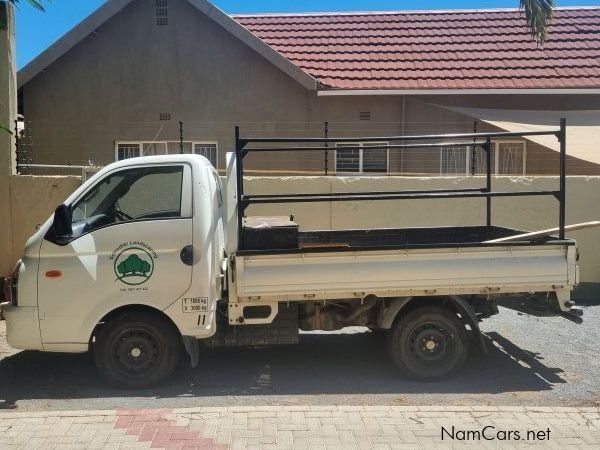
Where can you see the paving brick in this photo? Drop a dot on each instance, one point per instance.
(314, 413)
(301, 444)
(262, 440)
(291, 426)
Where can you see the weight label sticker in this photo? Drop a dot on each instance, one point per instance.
(195, 304)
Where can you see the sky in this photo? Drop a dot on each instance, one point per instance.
(37, 30)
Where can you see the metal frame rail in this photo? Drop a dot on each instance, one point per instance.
(479, 139)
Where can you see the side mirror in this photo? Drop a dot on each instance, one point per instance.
(62, 222)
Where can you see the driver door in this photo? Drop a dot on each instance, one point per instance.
(129, 231)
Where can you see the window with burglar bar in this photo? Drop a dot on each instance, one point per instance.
(454, 160)
(511, 157)
(208, 150)
(125, 150)
(508, 158)
(361, 157)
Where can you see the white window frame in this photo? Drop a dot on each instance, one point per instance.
(117, 143)
(467, 159)
(495, 162)
(166, 146)
(215, 143)
(361, 146)
(497, 155)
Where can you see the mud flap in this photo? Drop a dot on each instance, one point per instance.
(467, 312)
(192, 347)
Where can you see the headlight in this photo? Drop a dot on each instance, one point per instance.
(11, 283)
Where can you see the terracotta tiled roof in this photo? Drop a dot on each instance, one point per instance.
(436, 49)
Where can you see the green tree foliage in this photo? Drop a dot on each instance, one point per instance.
(35, 3)
(538, 14)
(133, 266)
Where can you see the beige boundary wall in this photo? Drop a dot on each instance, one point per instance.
(33, 198)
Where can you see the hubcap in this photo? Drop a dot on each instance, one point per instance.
(136, 351)
(430, 344)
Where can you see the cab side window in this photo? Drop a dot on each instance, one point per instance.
(135, 194)
(153, 195)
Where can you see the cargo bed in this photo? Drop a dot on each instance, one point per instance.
(401, 269)
(272, 261)
(279, 236)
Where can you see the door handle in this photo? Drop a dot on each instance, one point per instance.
(187, 255)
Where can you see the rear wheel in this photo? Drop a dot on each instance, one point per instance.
(137, 350)
(428, 343)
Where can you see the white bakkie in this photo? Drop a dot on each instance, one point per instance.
(143, 261)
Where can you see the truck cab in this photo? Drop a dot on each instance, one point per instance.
(143, 236)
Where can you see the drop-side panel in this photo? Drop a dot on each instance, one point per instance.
(459, 270)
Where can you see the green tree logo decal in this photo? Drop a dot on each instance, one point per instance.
(134, 266)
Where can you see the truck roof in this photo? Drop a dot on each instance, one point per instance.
(158, 159)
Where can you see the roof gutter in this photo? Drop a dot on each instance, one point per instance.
(358, 92)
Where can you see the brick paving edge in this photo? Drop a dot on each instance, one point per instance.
(339, 408)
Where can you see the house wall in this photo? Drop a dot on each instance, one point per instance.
(113, 85)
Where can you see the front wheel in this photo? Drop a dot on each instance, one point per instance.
(428, 343)
(137, 350)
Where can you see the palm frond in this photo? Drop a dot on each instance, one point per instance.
(538, 14)
(37, 4)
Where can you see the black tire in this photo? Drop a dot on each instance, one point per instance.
(429, 343)
(137, 350)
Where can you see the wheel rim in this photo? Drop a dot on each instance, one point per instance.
(430, 345)
(136, 351)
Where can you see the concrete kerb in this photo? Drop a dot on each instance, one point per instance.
(341, 408)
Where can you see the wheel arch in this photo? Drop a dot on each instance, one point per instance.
(132, 308)
(402, 305)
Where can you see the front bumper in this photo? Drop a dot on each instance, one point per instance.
(22, 327)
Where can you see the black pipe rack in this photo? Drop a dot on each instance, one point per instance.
(483, 140)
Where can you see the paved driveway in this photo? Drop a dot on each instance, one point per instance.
(532, 361)
(305, 428)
